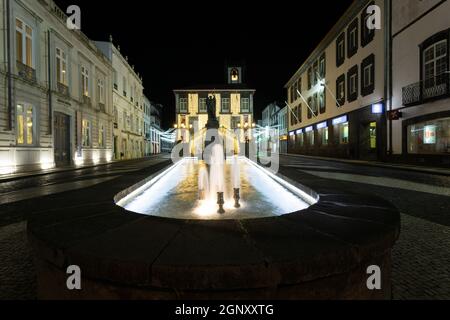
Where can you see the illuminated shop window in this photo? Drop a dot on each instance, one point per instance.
(373, 135)
(343, 133)
(25, 124)
(430, 137)
(86, 133)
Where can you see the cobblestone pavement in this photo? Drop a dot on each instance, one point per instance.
(421, 257)
(17, 275)
(421, 260)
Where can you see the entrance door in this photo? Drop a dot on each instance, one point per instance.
(368, 142)
(62, 138)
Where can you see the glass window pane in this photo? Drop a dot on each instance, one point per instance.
(30, 125)
(29, 57)
(19, 46)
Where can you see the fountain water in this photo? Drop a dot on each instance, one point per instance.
(217, 174)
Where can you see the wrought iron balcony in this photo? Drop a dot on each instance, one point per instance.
(427, 90)
(63, 89)
(26, 72)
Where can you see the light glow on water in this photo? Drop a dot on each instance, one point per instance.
(174, 194)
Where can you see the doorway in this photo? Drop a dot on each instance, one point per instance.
(368, 141)
(62, 139)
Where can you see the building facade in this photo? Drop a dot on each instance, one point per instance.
(283, 129)
(155, 123)
(147, 127)
(128, 108)
(55, 106)
(234, 109)
(152, 127)
(269, 139)
(337, 98)
(420, 119)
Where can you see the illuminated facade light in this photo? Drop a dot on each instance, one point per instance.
(377, 108)
(300, 131)
(322, 125)
(292, 133)
(309, 129)
(340, 120)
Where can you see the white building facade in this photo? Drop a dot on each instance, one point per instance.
(128, 105)
(55, 106)
(337, 98)
(420, 121)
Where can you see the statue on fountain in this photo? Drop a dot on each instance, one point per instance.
(212, 123)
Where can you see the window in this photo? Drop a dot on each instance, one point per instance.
(202, 107)
(368, 75)
(295, 116)
(245, 105)
(315, 104)
(101, 136)
(300, 139)
(322, 101)
(352, 38)
(429, 137)
(116, 115)
(25, 124)
(340, 50)
(235, 121)
(343, 133)
(316, 72)
(294, 89)
(183, 105)
(310, 78)
(310, 102)
(85, 81)
(340, 90)
(24, 44)
(116, 79)
(352, 78)
(86, 133)
(310, 138)
(225, 105)
(234, 75)
(435, 64)
(373, 135)
(322, 66)
(299, 113)
(101, 90)
(124, 86)
(299, 87)
(367, 34)
(61, 67)
(324, 136)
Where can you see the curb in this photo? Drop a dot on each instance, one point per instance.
(68, 169)
(431, 170)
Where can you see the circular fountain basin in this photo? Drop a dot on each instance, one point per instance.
(321, 252)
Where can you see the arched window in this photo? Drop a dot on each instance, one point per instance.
(234, 75)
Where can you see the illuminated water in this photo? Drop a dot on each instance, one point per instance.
(175, 194)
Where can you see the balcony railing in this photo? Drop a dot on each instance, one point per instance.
(63, 89)
(429, 89)
(26, 72)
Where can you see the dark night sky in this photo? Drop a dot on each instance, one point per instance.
(181, 44)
